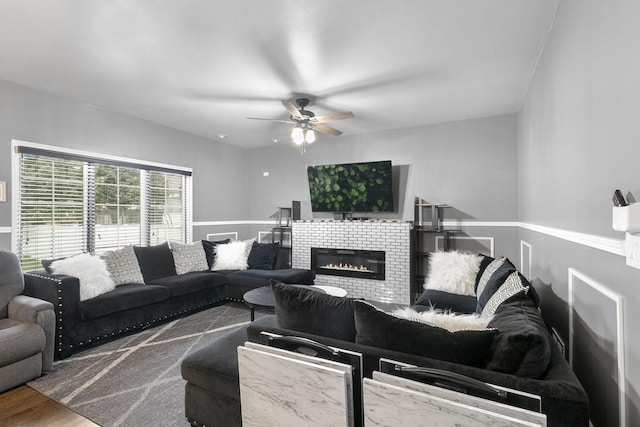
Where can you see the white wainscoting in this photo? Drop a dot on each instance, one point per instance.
(233, 235)
(577, 281)
(525, 259)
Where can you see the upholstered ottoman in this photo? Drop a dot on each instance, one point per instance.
(212, 392)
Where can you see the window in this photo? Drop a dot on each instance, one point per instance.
(118, 207)
(70, 202)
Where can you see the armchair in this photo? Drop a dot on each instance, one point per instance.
(27, 327)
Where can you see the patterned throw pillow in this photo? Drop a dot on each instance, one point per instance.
(123, 267)
(189, 257)
(513, 285)
(492, 279)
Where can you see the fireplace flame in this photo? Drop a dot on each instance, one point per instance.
(345, 266)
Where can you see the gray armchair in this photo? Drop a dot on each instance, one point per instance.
(27, 327)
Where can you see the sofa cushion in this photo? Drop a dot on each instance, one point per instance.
(453, 272)
(492, 279)
(19, 340)
(446, 301)
(210, 249)
(263, 255)
(312, 312)
(214, 367)
(522, 346)
(187, 283)
(155, 261)
(122, 298)
(256, 278)
(189, 257)
(379, 329)
(123, 266)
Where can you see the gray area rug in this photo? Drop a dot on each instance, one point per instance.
(135, 380)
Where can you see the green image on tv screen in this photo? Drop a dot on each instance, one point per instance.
(352, 187)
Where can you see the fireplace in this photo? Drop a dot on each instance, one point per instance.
(348, 262)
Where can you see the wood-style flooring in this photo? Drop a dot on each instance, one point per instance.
(25, 407)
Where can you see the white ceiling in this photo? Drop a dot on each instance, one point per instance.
(203, 66)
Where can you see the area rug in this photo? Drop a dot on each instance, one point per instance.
(135, 380)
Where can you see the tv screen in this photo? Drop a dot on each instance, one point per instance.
(351, 187)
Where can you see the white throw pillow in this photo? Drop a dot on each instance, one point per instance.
(90, 270)
(453, 272)
(233, 255)
(189, 257)
(448, 320)
(123, 266)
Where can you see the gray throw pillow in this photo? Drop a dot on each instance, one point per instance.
(122, 265)
(189, 257)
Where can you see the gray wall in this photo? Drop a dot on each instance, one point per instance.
(578, 142)
(468, 164)
(220, 183)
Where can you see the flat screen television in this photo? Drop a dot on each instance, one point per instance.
(351, 187)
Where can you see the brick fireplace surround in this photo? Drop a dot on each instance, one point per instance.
(392, 237)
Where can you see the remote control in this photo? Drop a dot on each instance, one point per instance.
(618, 199)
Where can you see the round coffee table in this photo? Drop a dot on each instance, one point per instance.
(258, 297)
(262, 297)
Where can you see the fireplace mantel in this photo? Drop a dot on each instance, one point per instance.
(391, 236)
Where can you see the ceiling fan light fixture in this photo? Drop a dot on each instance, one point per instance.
(310, 136)
(297, 135)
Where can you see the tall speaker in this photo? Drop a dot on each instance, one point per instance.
(295, 211)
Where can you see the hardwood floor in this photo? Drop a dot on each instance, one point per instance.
(26, 407)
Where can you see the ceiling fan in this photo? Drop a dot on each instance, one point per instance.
(305, 122)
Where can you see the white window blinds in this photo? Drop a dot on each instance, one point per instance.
(52, 209)
(68, 204)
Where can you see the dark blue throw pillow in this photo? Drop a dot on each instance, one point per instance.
(263, 256)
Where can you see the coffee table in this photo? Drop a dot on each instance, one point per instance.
(262, 297)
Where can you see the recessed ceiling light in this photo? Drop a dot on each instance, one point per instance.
(222, 136)
(275, 140)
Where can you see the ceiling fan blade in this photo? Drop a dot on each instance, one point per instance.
(327, 129)
(333, 117)
(271, 120)
(292, 109)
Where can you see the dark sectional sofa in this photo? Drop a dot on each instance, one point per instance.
(165, 295)
(519, 355)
